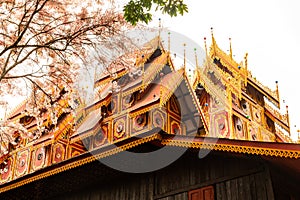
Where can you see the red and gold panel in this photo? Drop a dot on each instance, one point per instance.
(39, 158)
(100, 138)
(173, 105)
(253, 132)
(245, 106)
(139, 123)
(158, 119)
(267, 136)
(219, 126)
(127, 101)
(22, 162)
(76, 149)
(58, 153)
(74, 152)
(215, 104)
(6, 170)
(256, 114)
(175, 128)
(113, 105)
(120, 128)
(239, 128)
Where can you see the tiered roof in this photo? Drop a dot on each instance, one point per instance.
(141, 94)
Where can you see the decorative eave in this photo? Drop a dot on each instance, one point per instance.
(282, 120)
(80, 160)
(106, 77)
(211, 88)
(284, 138)
(237, 146)
(241, 73)
(227, 61)
(155, 67)
(88, 127)
(169, 84)
(267, 92)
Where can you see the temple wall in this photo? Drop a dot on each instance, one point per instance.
(229, 178)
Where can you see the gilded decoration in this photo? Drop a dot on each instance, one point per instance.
(58, 154)
(158, 119)
(148, 104)
(219, 126)
(120, 129)
(100, 138)
(39, 158)
(234, 148)
(22, 162)
(139, 123)
(6, 170)
(81, 162)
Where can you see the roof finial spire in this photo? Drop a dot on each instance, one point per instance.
(159, 28)
(205, 46)
(196, 58)
(287, 116)
(230, 48)
(169, 41)
(246, 61)
(213, 39)
(277, 92)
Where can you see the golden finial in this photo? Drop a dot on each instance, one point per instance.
(196, 58)
(159, 28)
(287, 114)
(169, 41)
(213, 39)
(205, 46)
(246, 61)
(230, 48)
(184, 56)
(277, 92)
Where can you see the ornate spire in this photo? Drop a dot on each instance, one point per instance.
(230, 48)
(213, 40)
(277, 92)
(287, 116)
(159, 29)
(196, 58)
(205, 46)
(246, 61)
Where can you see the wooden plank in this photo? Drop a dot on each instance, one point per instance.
(260, 186)
(181, 196)
(252, 186)
(246, 186)
(209, 182)
(221, 191)
(228, 189)
(241, 188)
(234, 189)
(269, 186)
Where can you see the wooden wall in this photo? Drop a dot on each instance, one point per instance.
(233, 177)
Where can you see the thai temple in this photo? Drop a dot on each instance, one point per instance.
(233, 140)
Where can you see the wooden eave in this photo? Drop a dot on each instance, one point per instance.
(284, 150)
(275, 118)
(262, 91)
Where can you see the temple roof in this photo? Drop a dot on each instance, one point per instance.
(145, 100)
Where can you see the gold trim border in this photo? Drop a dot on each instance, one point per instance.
(82, 162)
(233, 148)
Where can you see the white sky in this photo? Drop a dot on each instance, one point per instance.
(268, 30)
